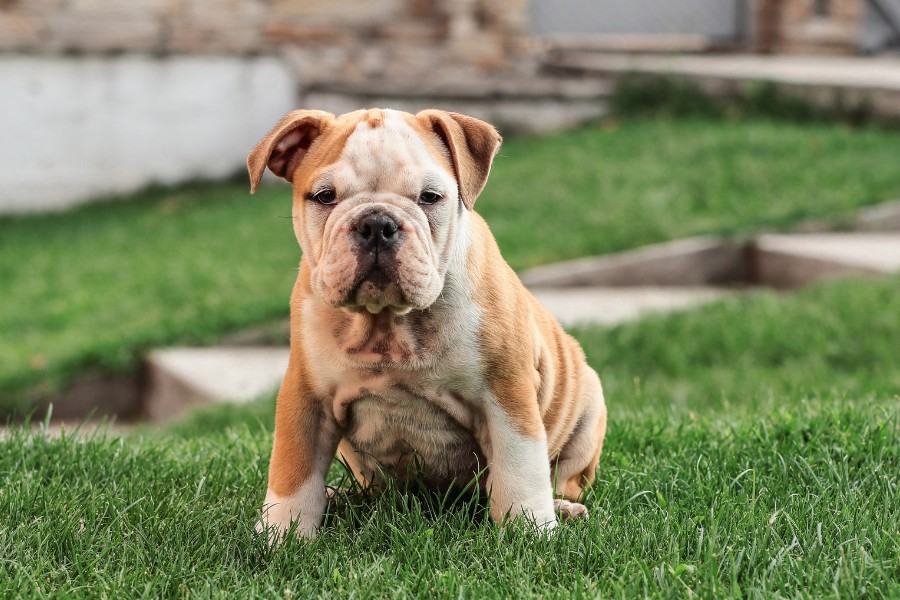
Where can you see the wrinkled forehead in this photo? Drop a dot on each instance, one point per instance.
(391, 146)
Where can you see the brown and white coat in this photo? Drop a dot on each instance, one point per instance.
(427, 345)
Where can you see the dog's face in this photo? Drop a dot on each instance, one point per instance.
(380, 199)
(378, 223)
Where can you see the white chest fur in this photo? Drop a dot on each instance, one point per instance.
(406, 389)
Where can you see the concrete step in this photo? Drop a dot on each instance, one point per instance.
(507, 102)
(605, 290)
(629, 43)
(833, 83)
(183, 378)
(609, 306)
(179, 379)
(697, 261)
(787, 261)
(851, 73)
(781, 261)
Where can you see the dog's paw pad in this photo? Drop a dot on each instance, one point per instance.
(570, 510)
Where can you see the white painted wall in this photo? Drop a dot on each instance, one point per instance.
(72, 129)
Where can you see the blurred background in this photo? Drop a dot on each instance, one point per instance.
(126, 226)
(95, 92)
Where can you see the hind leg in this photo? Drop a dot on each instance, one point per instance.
(574, 470)
(367, 475)
(569, 511)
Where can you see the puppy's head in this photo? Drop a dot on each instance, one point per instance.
(380, 199)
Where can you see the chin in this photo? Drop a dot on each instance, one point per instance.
(377, 292)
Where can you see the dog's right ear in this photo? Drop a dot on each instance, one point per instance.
(284, 147)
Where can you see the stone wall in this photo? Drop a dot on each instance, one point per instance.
(103, 97)
(321, 38)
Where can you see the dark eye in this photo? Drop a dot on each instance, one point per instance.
(327, 196)
(429, 197)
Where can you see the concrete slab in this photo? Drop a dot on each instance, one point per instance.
(832, 83)
(688, 262)
(609, 306)
(603, 290)
(788, 261)
(509, 103)
(181, 378)
(653, 43)
(869, 72)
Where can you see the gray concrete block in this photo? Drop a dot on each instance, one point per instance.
(182, 378)
(788, 261)
(610, 306)
(689, 262)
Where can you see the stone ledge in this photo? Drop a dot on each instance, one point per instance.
(863, 73)
(182, 378)
(610, 306)
(514, 105)
(692, 261)
(654, 43)
(867, 84)
(533, 88)
(780, 261)
(790, 261)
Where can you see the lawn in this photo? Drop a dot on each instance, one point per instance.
(97, 286)
(752, 452)
(753, 443)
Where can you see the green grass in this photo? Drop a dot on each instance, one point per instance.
(97, 286)
(752, 452)
(746, 355)
(627, 184)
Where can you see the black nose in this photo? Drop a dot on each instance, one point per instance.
(378, 230)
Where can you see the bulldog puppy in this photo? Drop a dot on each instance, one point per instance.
(415, 349)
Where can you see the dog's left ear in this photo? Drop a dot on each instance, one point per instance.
(284, 147)
(472, 144)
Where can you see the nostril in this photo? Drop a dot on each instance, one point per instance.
(377, 229)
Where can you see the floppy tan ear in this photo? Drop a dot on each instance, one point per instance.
(472, 144)
(284, 147)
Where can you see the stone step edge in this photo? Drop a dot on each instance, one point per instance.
(711, 260)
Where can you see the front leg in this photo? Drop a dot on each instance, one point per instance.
(515, 446)
(306, 437)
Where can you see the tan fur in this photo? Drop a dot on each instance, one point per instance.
(533, 366)
(472, 148)
(451, 365)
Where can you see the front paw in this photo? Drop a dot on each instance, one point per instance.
(542, 520)
(301, 512)
(274, 531)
